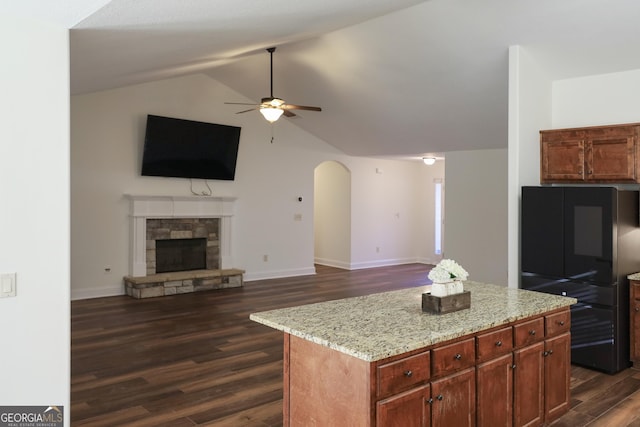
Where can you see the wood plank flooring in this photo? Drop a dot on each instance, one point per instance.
(197, 359)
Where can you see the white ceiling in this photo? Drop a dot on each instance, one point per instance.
(394, 77)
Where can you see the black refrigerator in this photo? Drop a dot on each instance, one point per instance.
(582, 242)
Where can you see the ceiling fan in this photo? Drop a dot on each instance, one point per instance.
(272, 108)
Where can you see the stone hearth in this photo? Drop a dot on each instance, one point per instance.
(182, 282)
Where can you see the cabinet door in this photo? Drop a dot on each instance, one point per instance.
(408, 409)
(495, 392)
(528, 387)
(454, 400)
(634, 305)
(557, 366)
(611, 159)
(562, 160)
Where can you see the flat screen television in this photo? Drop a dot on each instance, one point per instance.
(189, 149)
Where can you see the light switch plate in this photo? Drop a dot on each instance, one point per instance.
(7, 285)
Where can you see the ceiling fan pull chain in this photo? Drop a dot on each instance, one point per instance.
(271, 126)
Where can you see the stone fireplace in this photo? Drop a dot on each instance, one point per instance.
(191, 239)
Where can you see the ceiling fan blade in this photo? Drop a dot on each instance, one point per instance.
(288, 113)
(246, 111)
(240, 103)
(300, 107)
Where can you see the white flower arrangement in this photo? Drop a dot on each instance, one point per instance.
(447, 270)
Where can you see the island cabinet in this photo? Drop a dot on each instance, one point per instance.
(379, 360)
(511, 375)
(495, 378)
(542, 369)
(599, 154)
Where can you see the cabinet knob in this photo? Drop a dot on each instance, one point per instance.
(430, 401)
(545, 353)
(457, 356)
(513, 366)
(550, 352)
(408, 374)
(532, 332)
(499, 344)
(439, 397)
(561, 323)
(637, 308)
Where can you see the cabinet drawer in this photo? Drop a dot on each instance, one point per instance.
(528, 332)
(452, 357)
(557, 323)
(494, 343)
(403, 374)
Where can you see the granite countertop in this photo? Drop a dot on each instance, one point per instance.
(634, 276)
(377, 326)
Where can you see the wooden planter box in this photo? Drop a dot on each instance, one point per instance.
(448, 304)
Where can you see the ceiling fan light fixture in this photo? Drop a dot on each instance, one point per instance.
(271, 113)
(273, 102)
(429, 160)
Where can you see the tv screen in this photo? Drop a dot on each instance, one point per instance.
(189, 149)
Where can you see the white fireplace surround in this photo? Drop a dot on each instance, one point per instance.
(144, 207)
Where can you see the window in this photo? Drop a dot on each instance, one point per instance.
(438, 215)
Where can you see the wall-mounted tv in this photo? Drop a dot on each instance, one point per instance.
(189, 149)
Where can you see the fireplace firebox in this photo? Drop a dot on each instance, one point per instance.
(181, 255)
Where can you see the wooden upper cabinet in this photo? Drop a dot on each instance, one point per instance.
(590, 155)
(611, 158)
(562, 161)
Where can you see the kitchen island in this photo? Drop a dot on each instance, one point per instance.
(380, 360)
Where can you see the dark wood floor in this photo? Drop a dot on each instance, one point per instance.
(197, 359)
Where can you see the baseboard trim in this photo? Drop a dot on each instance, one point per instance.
(262, 275)
(382, 263)
(77, 294)
(332, 263)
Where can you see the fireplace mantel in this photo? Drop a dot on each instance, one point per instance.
(146, 206)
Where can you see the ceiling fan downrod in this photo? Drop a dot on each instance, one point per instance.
(271, 50)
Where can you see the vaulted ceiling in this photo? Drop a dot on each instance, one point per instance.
(394, 78)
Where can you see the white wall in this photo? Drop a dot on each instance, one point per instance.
(332, 215)
(107, 132)
(34, 213)
(385, 211)
(529, 111)
(476, 213)
(597, 100)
